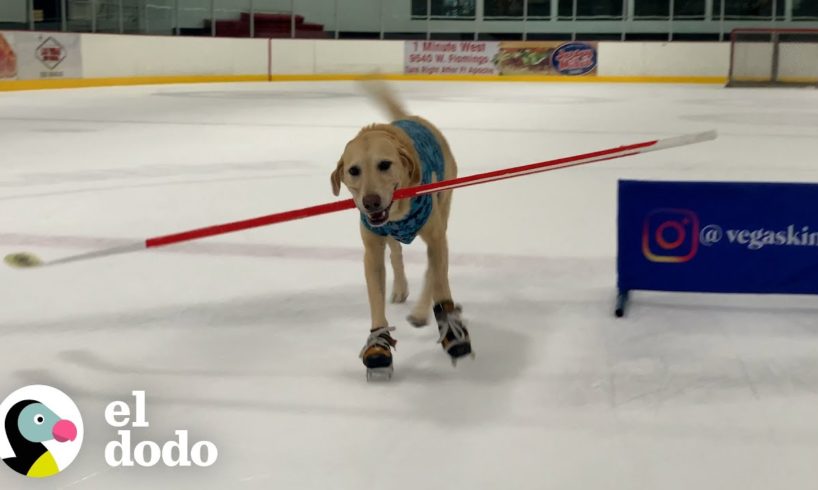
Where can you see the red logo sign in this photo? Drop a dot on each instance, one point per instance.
(50, 53)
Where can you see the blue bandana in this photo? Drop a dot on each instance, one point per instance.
(431, 161)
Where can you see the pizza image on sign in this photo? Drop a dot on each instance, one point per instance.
(8, 60)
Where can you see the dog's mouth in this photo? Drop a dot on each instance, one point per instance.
(379, 218)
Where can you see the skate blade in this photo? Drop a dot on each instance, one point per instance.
(470, 355)
(379, 374)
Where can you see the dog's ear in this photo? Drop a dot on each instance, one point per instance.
(335, 178)
(411, 164)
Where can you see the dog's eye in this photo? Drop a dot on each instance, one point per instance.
(354, 171)
(384, 165)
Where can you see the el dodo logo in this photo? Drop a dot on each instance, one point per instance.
(172, 453)
(42, 431)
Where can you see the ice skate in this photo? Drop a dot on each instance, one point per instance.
(377, 354)
(454, 337)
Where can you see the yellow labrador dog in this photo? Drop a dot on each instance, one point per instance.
(380, 159)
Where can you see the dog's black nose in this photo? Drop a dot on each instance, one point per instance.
(372, 203)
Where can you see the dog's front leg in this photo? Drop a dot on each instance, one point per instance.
(375, 271)
(436, 283)
(400, 286)
(377, 352)
(454, 336)
(437, 251)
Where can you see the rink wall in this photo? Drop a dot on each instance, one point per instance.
(129, 60)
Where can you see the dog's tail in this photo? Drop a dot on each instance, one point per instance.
(385, 97)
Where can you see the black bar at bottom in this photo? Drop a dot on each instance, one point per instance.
(621, 303)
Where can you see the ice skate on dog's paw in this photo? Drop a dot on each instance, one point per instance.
(454, 336)
(377, 354)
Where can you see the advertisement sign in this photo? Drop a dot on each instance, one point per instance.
(8, 59)
(574, 59)
(450, 57)
(36, 55)
(545, 58)
(718, 237)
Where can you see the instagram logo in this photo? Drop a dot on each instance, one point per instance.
(670, 235)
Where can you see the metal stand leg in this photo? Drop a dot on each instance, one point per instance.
(621, 303)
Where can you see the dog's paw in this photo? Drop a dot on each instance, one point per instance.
(400, 292)
(417, 321)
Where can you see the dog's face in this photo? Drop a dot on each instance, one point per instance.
(373, 166)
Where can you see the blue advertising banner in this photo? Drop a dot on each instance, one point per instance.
(721, 237)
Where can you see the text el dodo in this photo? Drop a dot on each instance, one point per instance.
(148, 453)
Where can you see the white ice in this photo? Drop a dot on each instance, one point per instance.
(251, 340)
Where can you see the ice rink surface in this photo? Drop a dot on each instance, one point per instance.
(251, 340)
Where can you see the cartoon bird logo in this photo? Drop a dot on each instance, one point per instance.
(36, 435)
